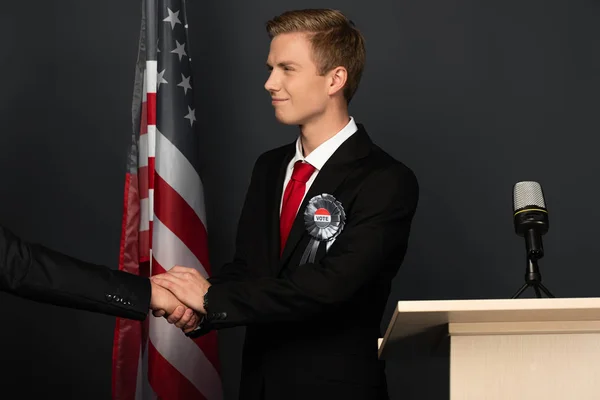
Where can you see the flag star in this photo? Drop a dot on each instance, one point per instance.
(191, 115)
(173, 18)
(186, 26)
(185, 83)
(180, 50)
(160, 79)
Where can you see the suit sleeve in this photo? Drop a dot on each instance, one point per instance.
(37, 273)
(376, 232)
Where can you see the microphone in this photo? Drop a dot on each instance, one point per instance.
(531, 222)
(530, 217)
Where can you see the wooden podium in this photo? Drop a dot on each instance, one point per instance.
(547, 349)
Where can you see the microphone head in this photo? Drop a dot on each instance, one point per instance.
(528, 194)
(529, 208)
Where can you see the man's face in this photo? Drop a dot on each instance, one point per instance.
(299, 95)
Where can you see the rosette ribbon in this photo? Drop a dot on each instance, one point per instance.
(324, 219)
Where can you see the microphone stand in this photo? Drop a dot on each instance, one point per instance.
(533, 278)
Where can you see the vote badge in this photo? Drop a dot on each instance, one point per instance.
(324, 219)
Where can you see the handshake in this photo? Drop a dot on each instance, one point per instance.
(178, 295)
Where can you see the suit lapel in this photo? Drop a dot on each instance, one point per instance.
(329, 179)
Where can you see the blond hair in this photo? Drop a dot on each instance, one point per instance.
(334, 40)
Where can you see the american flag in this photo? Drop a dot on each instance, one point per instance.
(164, 222)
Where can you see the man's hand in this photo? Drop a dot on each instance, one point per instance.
(164, 303)
(186, 284)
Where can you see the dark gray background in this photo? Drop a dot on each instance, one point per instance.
(473, 96)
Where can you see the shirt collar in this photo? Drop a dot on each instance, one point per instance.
(319, 156)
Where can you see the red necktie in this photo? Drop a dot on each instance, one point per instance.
(294, 192)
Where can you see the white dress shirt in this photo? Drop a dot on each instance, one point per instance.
(318, 157)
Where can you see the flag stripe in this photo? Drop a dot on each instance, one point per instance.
(125, 358)
(151, 72)
(151, 141)
(167, 382)
(151, 113)
(150, 215)
(172, 251)
(143, 185)
(151, 172)
(144, 246)
(185, 223)
(207, 343)
(185, 356)
(145, 209)
(143, 146)
(129, 227)
(175, 169)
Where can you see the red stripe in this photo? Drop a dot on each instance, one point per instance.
(157, 269)
(126, 353)
(143, 174)
(144, 245)
(144, 118)
(124, 219)
(166, 381)
(151, 172)
(151, 115)
(207, 343)
(128, 248)
(175, 213)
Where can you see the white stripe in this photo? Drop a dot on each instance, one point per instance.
(152, 68)
(177, 171)
(185, 356)
(144, 211)
(143, 151)
(151, 140)
(150, 204)
(172, 251)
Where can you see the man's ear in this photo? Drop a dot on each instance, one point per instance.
(337, 80)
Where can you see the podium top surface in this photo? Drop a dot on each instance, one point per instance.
(413, 317)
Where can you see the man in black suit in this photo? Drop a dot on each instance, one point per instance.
(322, 233)
(41, 274)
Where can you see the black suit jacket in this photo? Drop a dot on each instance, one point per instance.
(37, 273)
(312, 329)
